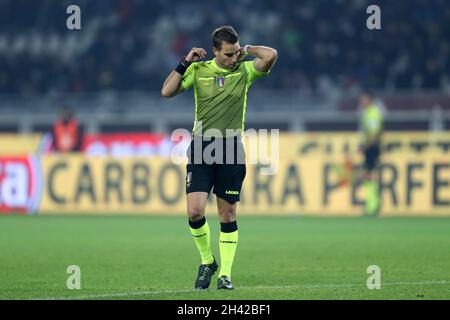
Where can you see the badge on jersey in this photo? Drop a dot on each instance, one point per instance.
(220, 81)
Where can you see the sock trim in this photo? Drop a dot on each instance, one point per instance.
(228, 227)
(197, 224)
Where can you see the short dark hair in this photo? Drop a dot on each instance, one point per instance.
(224, 33)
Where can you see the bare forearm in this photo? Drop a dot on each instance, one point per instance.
(262, 52)
(265, 57)
(172, 85)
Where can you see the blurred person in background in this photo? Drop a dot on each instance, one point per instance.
(67, 132)
(372, 129)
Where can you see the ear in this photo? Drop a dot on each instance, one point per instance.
(215, 51)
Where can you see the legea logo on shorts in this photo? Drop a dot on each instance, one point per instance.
(231, 192)
(188, 179)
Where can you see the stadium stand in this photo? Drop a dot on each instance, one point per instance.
(128, 45)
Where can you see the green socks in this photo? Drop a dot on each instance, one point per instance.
(200, 232)
(372, 197)
(227, 246)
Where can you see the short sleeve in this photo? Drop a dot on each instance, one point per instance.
(188, 78)
(374, 120)
(252, 73)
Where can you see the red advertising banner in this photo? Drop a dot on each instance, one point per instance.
(20, 184)
(128, 144)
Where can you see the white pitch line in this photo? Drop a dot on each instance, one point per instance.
(306, 286)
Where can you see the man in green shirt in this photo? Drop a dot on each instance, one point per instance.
(372, 128)
(220, 91)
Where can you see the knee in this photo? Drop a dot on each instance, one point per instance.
(195, 213)
(227, 215)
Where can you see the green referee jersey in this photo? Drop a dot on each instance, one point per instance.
(372, 122)
(220, 96)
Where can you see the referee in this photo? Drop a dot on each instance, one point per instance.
(372, 130)
(220, 90)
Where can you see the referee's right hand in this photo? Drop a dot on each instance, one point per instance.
(196, 54)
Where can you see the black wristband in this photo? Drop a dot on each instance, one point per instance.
(182, 66)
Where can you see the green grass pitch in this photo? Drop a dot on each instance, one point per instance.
(154, 257)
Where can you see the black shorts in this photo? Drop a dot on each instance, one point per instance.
(221, 169)
(372, 157)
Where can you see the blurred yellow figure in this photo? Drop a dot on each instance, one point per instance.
(372, 129)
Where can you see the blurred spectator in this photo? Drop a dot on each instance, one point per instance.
(128, 45)
(67, 132)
